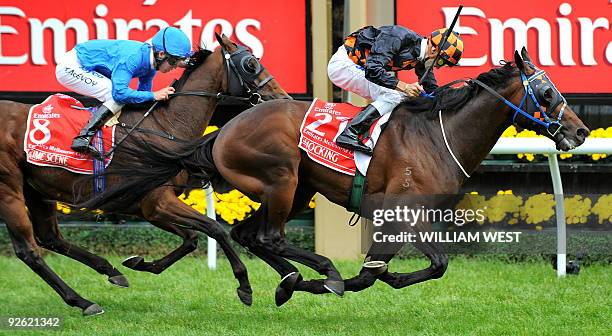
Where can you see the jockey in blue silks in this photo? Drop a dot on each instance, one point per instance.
(103, 69)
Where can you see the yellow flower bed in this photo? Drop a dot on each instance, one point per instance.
(511, 132)
(537, 209)
(232, 206)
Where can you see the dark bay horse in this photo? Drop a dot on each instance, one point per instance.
(210, 76)
(257, 152)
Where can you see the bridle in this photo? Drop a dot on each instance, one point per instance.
(538, 85)
(243, 70)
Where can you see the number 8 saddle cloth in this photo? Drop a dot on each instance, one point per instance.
(51, 127)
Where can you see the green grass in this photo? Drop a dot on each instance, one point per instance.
(474, 297)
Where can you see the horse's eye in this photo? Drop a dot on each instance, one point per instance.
(547, 95)
(250, 65)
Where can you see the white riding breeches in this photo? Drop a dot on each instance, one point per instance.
(351, 77)
(70, 73)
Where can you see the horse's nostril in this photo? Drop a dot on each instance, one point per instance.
(582, 133)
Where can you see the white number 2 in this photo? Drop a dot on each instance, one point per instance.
(313, 126)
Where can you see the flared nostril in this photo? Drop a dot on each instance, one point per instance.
(582, 133)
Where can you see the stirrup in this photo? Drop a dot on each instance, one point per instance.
(348, 143)
(95, 154)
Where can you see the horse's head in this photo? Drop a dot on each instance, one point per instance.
(246, 76)
(543, 109)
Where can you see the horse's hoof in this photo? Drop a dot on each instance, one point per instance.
(284, 291)
(289, 280)
(93, 310)
(334, 286)
(282, 295)
(376, 267)
(133, 262)
(245, 296)
(119, 281)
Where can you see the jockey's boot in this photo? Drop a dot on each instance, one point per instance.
(82, 142)
(359, 125)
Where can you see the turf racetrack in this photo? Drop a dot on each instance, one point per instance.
(474, 297)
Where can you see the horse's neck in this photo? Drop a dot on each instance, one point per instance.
(473, 131)
(188, 116)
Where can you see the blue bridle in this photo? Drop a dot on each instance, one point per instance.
(552, 126)
(546, 121)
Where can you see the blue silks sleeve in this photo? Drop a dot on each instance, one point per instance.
(145, 83)
(122, 93)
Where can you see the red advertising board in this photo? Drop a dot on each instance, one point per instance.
(35, 34)
(570, 39)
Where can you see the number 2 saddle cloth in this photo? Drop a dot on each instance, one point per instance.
(321, 126)
(51, 127)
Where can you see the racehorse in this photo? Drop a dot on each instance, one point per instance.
(229, 72)
(443, 145)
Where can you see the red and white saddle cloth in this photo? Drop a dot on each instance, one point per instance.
(320, 128)
(51, 127)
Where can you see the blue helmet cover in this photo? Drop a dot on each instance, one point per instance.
(172, 41)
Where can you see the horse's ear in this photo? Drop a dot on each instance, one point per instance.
(525, 55)
(219, 38)
(519, 62)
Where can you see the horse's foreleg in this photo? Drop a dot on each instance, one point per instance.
(437, 268)
(383, 252)
(163, 206)
(47, 234)
(189, 244)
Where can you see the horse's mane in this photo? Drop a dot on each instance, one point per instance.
(450, 100)
(198, 57)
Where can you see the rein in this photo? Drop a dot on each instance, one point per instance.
(254, 98)
(248, 86)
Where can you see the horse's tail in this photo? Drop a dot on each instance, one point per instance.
(150, 166)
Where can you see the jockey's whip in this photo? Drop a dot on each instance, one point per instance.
(151, 109)
(444, 39)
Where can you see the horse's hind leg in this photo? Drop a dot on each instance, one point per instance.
(162, 205)
(245, 234)
(13, 211)
(277, 205)
(46, 230)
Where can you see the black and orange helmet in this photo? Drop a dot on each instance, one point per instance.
(452, 48)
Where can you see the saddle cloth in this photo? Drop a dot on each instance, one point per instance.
(321, 126)
(50, 129)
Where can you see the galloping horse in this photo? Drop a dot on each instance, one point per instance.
(231, 71)
(443, 145)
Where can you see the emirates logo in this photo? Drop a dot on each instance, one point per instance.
(329, 106)
(48, 109)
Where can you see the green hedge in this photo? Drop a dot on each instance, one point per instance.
(125, 240)
(533, 246)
